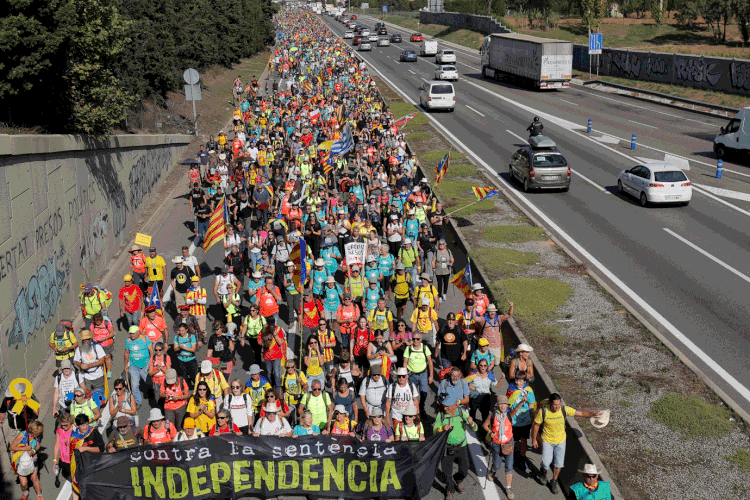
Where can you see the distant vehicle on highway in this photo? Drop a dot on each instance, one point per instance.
(437, 95)
(357, 40)
(365, 32)
(408, 56)
(353, 16)
(656, 183)
(395, 38)
(384, 42)
(373, 37)
(349, 34)
(365, 46)
(446, 72)
(428, 48)
(540, 165)
(417, 37)
(735, 136)
(382, 31)
(445, 57)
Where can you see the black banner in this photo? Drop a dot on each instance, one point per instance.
(239, 466)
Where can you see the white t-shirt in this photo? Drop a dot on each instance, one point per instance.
(265, 427)
(66, 386)
(91, 356)
(396, 227)
(223, 282)
(401, 397)
(253, 152)
(239, 408)
(190, 261)
(373, 391)
(230, 240)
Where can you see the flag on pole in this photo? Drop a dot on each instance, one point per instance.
(482, 193)
(308, 86)
(345, 143)
(216, 225)
(442, 168)
(155, 300)
(462, 280)
(298, 256)
(401, 122)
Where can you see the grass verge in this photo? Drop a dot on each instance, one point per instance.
(504, 262)
(691, 416)
(513, 234)
(741, 460)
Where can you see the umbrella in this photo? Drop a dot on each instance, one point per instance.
(190, 161)
(293, 49)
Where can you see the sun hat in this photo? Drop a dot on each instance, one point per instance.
(425, 301)
(524, 348)
(206, 366)
(401, 371)
(407, 241)
(400, 267)
(122, 421)
(271, 408)
(425, 276)
(135, 248)
(320, 262)
(589, 469)
(178, 260)
(376, 370)
(155, 414)
(492, 307)
(330, 279)
(600, 421)
(171, 376)
(339, 408)
(477, 286)
(502, 399)
(65, 363)
(375, 412)
(84, 335)
(254, 370)
(257, 274)
(410, 410)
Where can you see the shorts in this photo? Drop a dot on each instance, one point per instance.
(522, 432)
(401, 302)
(329, 315)
(109, 349)
(498, 353)
(553, 451)
(180, 299)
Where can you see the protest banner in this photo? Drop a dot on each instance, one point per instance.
(355, 253)
(232, 467)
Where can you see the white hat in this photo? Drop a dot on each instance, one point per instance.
(155, 415)
(320, 262)
(401, 371)
(477, 286)
(524, 348)
(271, 408)
(254, 370)
(178, 260)
(589, 469)
(410, 410)
(600, 422)
(206, 366)
(492, 307)
(425, 301)
(339, 408)
(407, 241)
(222, 156)
(330, 279)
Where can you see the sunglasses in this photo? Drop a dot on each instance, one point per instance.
(236, 387)
(402, 376)
(119, 388)
(416, 339)
(202, 390)
(317, 389)
(158, 350)
(590, 476)
(221, 418)
(122, 426)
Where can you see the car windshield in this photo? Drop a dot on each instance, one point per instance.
(442, 89)
(670, 176)
(447, 52)
(409, 53)
(549, 160)
(449, 68)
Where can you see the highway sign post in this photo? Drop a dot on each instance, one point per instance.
(595, 47)
(192, 92)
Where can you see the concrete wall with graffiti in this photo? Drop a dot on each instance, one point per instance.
(711, 73)
(485, 24)
(68, 205)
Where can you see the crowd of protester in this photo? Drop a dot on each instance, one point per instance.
(346, 363)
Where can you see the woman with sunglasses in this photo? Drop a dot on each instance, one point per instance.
(84, 405)
(400, 339)
(273, 398)
(314, 360)
(411, 429)
(340, 424)
(480, 387)
(202, 408)
(61, 449)
(239, 406)
(122, 403)
(346, 397)
(224, 425)
(347, 369)
(158, 365)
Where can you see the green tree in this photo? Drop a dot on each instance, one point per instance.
(657, 11)
(715, 12)
(592, 12)
(741, 9)
(688, 12)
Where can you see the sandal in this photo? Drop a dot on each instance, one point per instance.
(25, 496)
(39, 497)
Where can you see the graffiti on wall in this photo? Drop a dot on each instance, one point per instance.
(740, 72)
(146, 173)
(13, 257)
(38, 301)
(695, 70)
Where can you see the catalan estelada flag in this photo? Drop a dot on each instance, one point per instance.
(442, 168)
(216, 225)
(462, 280)
(482, 193)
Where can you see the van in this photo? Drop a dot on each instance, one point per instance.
(437, 95)
(428, 48)
(735, 136)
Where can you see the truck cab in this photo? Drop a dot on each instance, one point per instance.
(735, 136)
(428, 48)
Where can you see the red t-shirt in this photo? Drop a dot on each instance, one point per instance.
(311, 314)
(153, 329)
(224, 430)
(271, 350)
(360, 340)
(131, 298)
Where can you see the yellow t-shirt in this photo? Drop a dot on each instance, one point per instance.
(155, 268)
(417, 359)
(66, 342)
(423, 319)
(217, 384)
(203, 422)
(314, 369)
(553, 431)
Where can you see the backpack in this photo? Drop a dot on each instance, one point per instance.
(385, 392)
(412, 389)
(246, 397)
(543, 408)
(147, 435)
(295, 397)
(326, 399)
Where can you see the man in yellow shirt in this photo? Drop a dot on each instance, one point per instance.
(424, 321)
(64, 343)
(156, 268)
(552, 414)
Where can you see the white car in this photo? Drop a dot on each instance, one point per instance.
(446, 72)
(656, 183)
(437, 95)
(445, 56)
(383, 41)
(365, 46)
(349, 34)
(365, 33)
(373, 38)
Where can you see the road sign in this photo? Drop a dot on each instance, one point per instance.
(364, 5)
(191, 76)
(595, 43)
(385, 8)
(192, 92)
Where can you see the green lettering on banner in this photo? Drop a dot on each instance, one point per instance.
(198, 481)
(285, 481)
(373, 476)
(353, 485)
(220, 473)
(172, 472)
(308, 475)
(389, 477)
(135, 481)
(333, 472)
(241, 481)
(155, 482)
(267, 475)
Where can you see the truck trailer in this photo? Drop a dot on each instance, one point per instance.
(545, 63)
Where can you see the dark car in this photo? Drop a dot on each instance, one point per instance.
(408, 56)
(382, 31)
(395, 38)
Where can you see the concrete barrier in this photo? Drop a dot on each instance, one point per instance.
(485, 24)
(68, 204)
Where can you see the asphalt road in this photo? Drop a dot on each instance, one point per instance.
(684, 269)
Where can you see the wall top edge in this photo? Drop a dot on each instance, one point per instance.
(20, 145)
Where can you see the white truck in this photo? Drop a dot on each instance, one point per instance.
(735, 137)
(544, 62)
(428, 48)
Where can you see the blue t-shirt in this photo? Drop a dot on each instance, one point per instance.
(319, 279)
(411, 229)
(331, 299)
(478, 356)
(454, 392)
(301, 431)
(187, 341)
(329, 255)
(372, 272)
(371, 297)
(386, 264)
(138, 351)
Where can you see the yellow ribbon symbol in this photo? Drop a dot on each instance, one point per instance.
(23, 398)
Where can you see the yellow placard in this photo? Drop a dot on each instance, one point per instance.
(142, 239)
(23, 398)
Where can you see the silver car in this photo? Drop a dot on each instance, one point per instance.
(384, 42)
(540, 165)
(363, 46)
(446, 72)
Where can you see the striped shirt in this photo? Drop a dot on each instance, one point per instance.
(196, 309)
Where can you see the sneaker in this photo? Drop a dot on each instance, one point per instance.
(509, 493)
(460, 487)
(109, 374)
(552, 486)
(490, 476)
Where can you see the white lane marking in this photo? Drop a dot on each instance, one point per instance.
(715, 259)
(706, 193)
(647, 109)
(413, 73)
(726, 193)
(597, 186)
(425, 79)
(66, 491)
(517, 136)
(474, 110)
(608, 139)
(571, 127)
(489, 490)
(641, 124)
(743, 391)
(574, 104)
